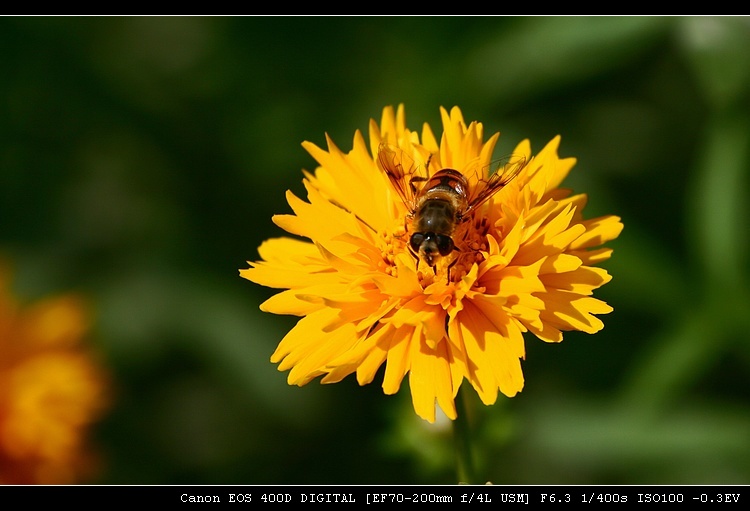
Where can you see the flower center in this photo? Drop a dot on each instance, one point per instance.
(393, 244)
(471, 240)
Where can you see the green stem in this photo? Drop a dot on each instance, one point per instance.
(462, 436)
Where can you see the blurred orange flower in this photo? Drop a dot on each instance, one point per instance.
(52, 389)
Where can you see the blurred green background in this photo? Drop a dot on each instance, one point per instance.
(143, 157)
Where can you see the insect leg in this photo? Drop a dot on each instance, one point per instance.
(416, 259)
(448, 270)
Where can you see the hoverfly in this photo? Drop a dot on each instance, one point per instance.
(438, 204)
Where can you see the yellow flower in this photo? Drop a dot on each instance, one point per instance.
(524, 261)
(51, 391)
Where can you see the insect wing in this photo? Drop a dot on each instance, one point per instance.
(407, 181)
(486, 188)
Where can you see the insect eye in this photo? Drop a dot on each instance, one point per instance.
(416, 241)
(445, 244)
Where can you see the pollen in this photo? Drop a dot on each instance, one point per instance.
(425, 279)
(392, 244)
(472, 246)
